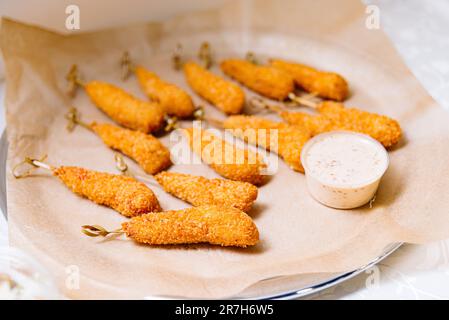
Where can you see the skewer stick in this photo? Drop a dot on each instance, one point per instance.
(34, 163)
(127, 66)
(73, 80)
(259, 104)
(122, 166)
(74, 119)
(251, 57)
(303, 100)
(214, 122)
(171, 123)
(200, 114)
(99, 231)
(205, 55)
(177, 57)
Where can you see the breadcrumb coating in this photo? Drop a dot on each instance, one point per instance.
(328, 85)
(268, 81)
(206, 224)
(173, 99)
(226, 159)
(223, 94)
(335, 116)
(144, 148)
(287, 144)
(121, 193)
(198, 190)
(125, 109)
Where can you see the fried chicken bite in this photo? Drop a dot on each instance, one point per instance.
(328, 85)
(198, 190)
(124, 108)
(173, 99)
(268, 81)
(121, 193)
(145, 149)
(335, 116)
(287, 141)
(225, 158)
(223, 94)
(217, 225)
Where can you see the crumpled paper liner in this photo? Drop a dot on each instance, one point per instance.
(298, 235)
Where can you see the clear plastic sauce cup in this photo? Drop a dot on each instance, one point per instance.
(343, 169)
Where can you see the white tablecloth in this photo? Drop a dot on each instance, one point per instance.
(419, 31)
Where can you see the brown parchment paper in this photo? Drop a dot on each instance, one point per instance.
(298, 235)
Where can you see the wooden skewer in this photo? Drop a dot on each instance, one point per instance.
(251, 57)
(122, 166)
(34, 163)
(214, 122)
(74, 119)
(171, 122)
(99, 231)
(73, 81)
(177, 57)
(128, 67)
(302, 100)
(200, 115)
(205, 55)
(260, 104)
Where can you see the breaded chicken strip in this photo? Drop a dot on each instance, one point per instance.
(223, 94)
(287, 143)
(328, 85)
(123, 194)
(125, 109)
(145, 149)
(335, 116)
(206, 224)
(173, 99)
(198, 190)
(266, 80)
(225, 158)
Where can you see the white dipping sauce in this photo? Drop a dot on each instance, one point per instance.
(343, 169)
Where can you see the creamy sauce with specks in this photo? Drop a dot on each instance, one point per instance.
(345, 159)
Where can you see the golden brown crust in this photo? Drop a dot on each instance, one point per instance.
(225, 158)
(316, 124)
(123, 194)
(125, 109)
(145, 149)
(328, 85)
(198, 190)
(206, 224)
(335, 116)
(287, 142)
(173, 99)
(223, 94)
(268, 81)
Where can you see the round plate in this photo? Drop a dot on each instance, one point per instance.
(284, 287)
